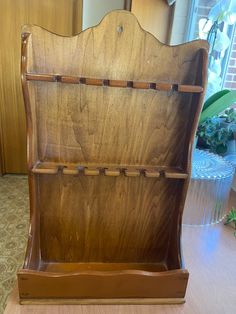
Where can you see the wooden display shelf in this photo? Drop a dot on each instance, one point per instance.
(109, 156)
(121, 279)
(108, 170)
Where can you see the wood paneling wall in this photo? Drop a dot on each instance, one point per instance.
(154, 16)
(60, 16)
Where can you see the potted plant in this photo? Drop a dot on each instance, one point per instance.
(229, 122)
(212, 28)
(217, 103)
(212, 136)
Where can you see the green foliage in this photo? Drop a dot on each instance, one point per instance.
(217, 103)
(214, 98)
(211, 135)
(231, 217)
(229, 116)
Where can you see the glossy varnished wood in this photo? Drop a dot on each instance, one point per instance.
(77, 267)
(110, 129)
(160, 86)
(106, 219)
(109, 284)
(85, 133)
(107, 170)
(123, 301)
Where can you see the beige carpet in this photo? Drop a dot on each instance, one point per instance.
(14, 217)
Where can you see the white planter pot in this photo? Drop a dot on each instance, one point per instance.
(232, 159)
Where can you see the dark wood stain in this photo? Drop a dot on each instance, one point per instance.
(111, 118)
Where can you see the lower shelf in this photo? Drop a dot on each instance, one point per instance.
(101, 281)
(78, 267)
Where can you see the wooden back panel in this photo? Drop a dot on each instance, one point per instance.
(106, 219)
(147, 120)
(92, 124)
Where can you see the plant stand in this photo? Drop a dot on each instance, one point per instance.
(232, 159)
(208, 193)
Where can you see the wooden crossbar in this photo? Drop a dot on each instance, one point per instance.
(112, 171)
(159, 86)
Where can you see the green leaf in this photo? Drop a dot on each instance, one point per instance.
(214, 98)
(213, 108)
(231, 217)
(221, 149)
(228, 220)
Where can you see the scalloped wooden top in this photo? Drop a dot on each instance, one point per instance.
(99, 124)
(117, 48)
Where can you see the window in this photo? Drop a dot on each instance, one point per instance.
(222, 62)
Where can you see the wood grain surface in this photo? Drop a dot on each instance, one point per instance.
(89, 127)
(105, 219)
(160, 86)
(86, 133)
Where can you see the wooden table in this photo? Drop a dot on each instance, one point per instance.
(210, 257)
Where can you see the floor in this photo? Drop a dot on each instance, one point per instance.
(209, 252)
(14, 216)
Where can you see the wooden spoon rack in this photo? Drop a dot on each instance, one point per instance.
(113, 171)
(159, 86)
(111, 116)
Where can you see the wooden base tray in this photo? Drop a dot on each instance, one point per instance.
(139, 267)
(125, 301)
(113, 281)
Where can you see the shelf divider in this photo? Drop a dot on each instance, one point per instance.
(110, 171)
